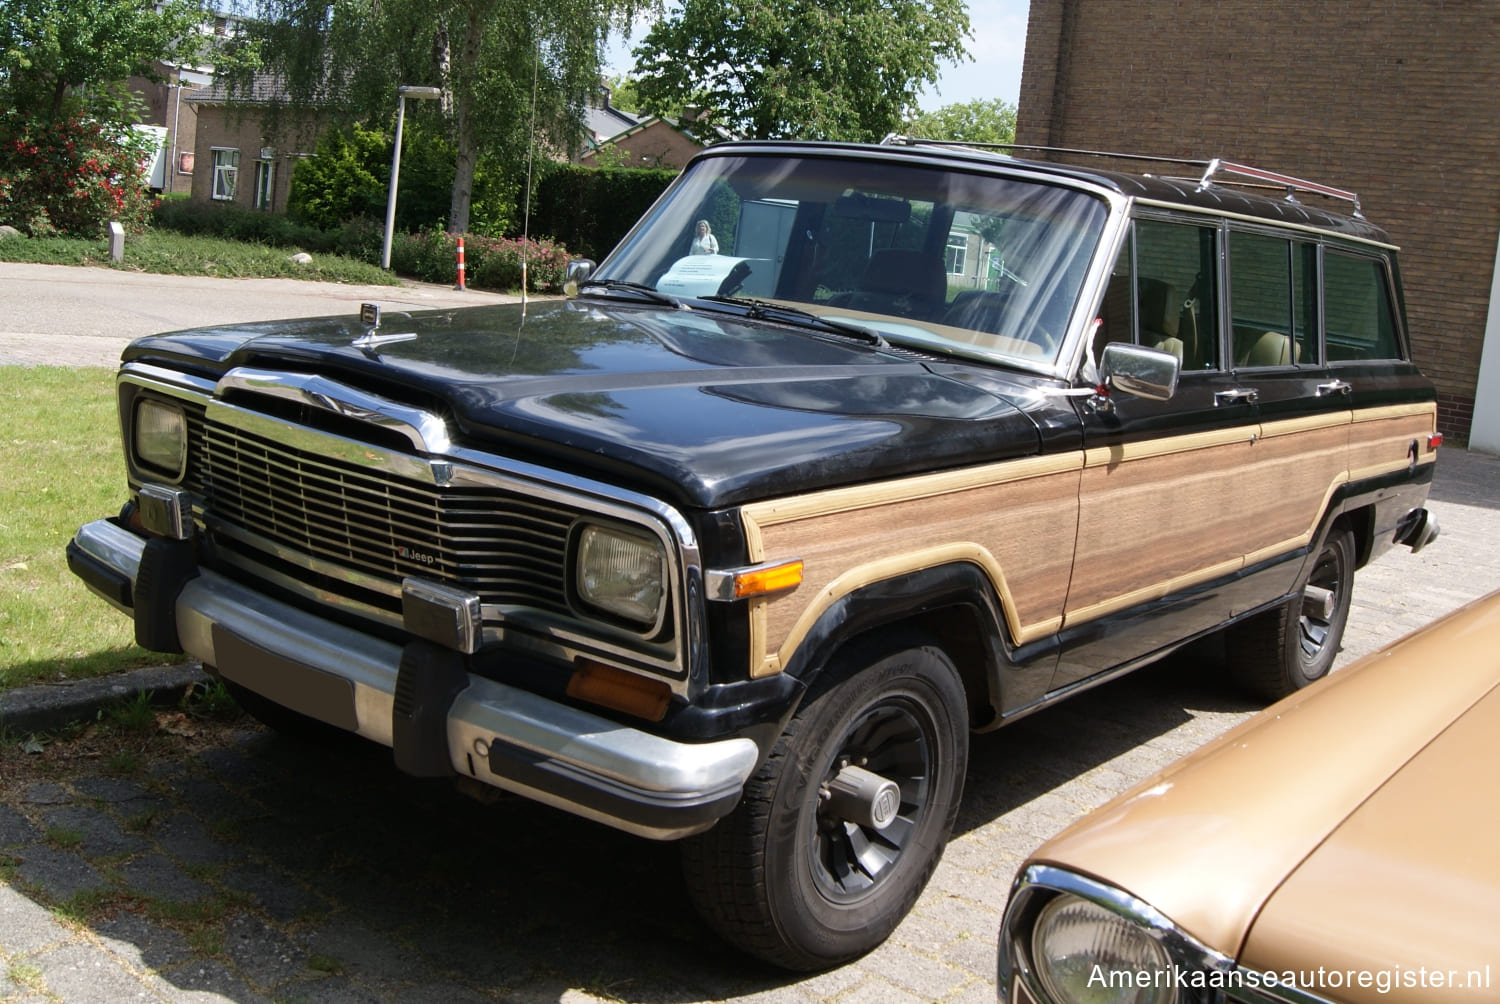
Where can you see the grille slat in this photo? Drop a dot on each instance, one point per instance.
(508, 548)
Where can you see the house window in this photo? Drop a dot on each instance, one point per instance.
(226, 173)
(265, 180)
(956, 256)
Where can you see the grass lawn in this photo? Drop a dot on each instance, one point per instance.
(60, 466)
(178, 254)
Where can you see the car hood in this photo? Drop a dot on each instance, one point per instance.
(1410, 882)
(706, 407)
(1295, 797)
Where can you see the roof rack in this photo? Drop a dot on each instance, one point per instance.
(1292, 185)
(1212, 168)
(896, 138)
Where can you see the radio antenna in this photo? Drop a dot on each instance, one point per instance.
(530, 152)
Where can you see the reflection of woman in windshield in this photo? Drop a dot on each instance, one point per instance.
(705, 242)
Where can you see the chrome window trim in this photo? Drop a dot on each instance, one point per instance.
(685, 669)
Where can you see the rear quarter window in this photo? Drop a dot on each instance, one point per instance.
(1359, 315)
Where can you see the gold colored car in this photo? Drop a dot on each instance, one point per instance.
(1343, 845)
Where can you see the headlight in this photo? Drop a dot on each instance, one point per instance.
(621, 573)
(160, 437)
(1085, 954)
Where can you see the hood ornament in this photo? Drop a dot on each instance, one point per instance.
(369, 316)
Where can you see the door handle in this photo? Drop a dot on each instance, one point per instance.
(1248, 395)
(1333, 387)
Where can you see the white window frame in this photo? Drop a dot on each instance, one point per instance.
(958, 256)
(226, 172)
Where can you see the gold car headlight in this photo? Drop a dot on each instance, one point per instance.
(160, 437)
(1083, 953)
(621, 573)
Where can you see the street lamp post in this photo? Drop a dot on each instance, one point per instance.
(402, 93)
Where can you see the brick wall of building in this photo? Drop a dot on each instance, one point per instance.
(1398, 100)
(222, 127)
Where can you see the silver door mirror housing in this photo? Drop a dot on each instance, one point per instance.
(579, 269)
(1139, 371)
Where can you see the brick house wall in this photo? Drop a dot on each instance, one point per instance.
(222, 129)
(1398, 100)
(165, 104)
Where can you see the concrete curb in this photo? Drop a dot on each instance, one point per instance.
(49, 706)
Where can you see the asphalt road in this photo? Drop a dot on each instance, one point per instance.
(325, 876)
(85, 316)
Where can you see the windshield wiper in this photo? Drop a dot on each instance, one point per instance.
(639, 288)
(767, 310)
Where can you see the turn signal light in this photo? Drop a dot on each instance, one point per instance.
(614, 688)
(771, 579)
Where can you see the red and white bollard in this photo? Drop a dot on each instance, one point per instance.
(460, 283)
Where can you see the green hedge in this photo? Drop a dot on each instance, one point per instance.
(233, 222)
(584, 212)
(588, 209)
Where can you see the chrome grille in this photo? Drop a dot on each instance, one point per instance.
(508, 549)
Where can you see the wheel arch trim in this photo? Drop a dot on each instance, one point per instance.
(942, 562)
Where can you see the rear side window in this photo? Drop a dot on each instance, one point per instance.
(1273, 300)
(1357, 309)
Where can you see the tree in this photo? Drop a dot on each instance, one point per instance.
(981, 121)
(69, 161)
(809, 69)
(50, 49)
(496, 61)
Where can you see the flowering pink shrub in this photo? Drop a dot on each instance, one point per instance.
(489, 262)
(497, 263)
(70, 176)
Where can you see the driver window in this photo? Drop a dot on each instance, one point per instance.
(1161, 294)
(1175, 302)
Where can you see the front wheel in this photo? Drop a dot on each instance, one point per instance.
(1283, 650)
(840, 829)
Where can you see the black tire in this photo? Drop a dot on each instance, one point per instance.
(1283, 650)
(785, 879)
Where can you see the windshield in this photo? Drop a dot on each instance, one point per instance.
(927, 257)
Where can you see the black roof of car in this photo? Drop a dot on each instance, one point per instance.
(1220, 196)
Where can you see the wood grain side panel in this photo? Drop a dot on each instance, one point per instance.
(1203, 511)
(1148, 520)
(1297, 466)
(1019, 528)
(1381, 438)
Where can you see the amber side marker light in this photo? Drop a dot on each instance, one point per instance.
(770, 579)
(609, 687)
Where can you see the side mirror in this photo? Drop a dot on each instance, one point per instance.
(579, 269)
(1139, 371)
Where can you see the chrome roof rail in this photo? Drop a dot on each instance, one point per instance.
(1212, 168)
(1292, 185)
(897, 139)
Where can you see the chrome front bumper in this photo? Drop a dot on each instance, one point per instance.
(497, 734)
